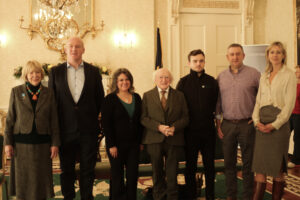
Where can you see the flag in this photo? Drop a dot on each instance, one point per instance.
(158, 62)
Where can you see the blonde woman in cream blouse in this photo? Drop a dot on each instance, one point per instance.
(274, 104)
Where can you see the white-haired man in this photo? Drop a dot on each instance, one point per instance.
(164, 115)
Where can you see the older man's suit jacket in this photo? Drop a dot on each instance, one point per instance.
(20, 115)
(81, 116)
(176, 115)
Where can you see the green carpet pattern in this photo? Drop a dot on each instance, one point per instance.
(101, 189)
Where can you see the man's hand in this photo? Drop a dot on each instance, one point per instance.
(54, 152)
(9, 150)
(113, 152)
(220, 133)
(163, 129)
(170, 131)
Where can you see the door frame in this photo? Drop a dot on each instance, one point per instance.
(178, 7)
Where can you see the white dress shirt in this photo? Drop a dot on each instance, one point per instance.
(75, 80)
(280, 93)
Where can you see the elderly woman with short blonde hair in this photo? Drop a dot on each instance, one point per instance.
(31, 136)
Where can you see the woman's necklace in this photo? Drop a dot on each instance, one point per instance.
(125, 98)
(34, 95)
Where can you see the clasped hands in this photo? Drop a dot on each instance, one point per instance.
(166, 130)
(264, 128)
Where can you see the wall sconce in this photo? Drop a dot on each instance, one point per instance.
(125, 39)
(3, 40)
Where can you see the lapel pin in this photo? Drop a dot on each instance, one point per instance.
(23, 95)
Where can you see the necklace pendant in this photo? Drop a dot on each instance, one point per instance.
(34, 97)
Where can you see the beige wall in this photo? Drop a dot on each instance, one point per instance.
(161, 18)
(274, 20)
(136, 15)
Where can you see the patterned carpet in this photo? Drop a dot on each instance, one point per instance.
(292, 189)
(101, 188)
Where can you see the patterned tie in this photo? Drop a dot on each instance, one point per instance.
(163, 99)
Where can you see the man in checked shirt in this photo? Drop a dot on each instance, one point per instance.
(238, 88)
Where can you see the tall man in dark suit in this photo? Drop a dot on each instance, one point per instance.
(164, 115)
(201, 93)
(79, 95)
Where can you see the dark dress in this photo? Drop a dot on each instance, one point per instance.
(124, 131)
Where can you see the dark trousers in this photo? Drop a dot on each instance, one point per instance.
(243, 134)
(164, 170)
(128, 157)
(205, 143)
(85, 147)
(295, 125)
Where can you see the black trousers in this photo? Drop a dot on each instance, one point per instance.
(128, 157)
(84, 148)
(204, 142)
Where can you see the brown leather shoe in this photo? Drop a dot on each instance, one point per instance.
(259, 190)
(277, 190)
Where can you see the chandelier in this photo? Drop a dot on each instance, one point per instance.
(58, 3)
(57, 20)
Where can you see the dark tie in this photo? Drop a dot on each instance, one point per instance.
(163, 99)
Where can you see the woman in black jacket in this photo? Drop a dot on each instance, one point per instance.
(121, 113)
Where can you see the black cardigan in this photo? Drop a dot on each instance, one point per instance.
(118, 127)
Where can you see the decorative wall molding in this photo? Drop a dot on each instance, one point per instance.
(178, 8)
(174, 10)
(229, 4)
(249, 10)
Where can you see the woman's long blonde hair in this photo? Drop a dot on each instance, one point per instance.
(269, 67)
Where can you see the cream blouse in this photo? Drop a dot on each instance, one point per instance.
(281, 93)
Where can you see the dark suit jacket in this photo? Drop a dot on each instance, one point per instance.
(82, 116)
(20, 115)
(153, 115)
(118, 127)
